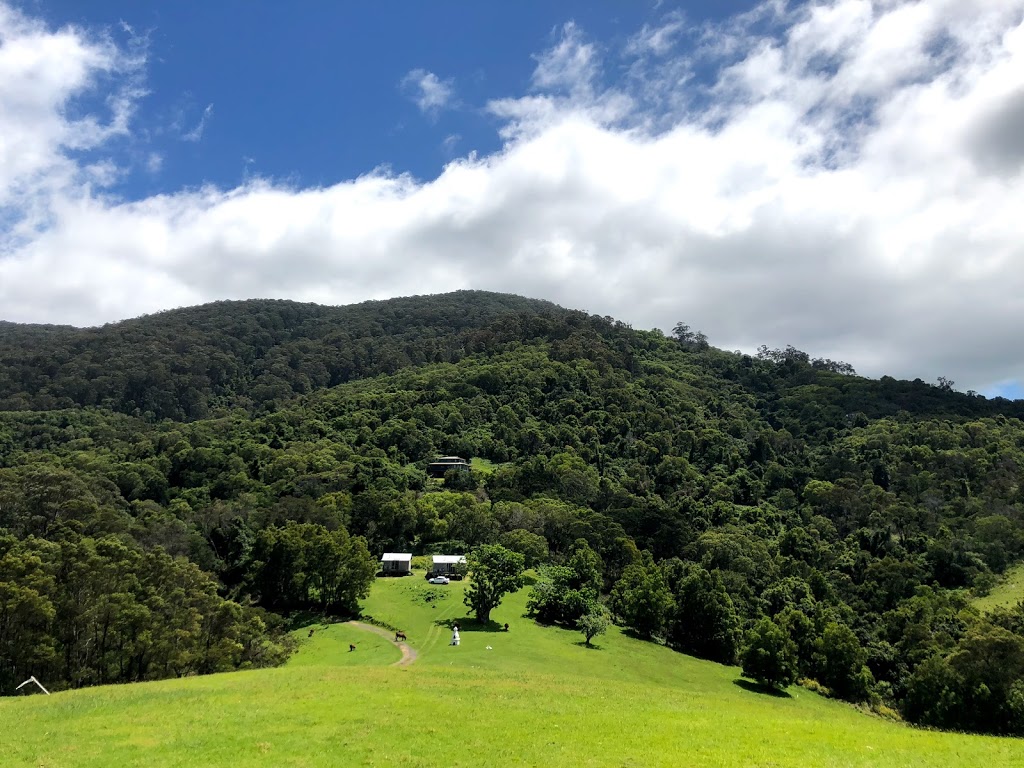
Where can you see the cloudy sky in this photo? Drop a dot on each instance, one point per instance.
(846, 176)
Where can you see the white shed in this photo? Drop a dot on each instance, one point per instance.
(395, 563)
(446, 563)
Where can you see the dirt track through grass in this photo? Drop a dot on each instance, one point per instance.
(409, 654)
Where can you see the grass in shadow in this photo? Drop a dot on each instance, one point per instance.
(304, 619)
(766, 690)
(469, 624)
(630, 632)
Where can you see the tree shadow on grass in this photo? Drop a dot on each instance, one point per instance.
(630, 632)
(303, 619)
(590, 647)
(469, 624)
(766, 690)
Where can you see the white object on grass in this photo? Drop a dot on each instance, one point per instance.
(33, 680)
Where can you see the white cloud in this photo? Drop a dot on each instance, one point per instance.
(570, 65)
(850, 181)
(197, 132)
(41, 72)
(429, 92)
(657, 40)
(451, 141)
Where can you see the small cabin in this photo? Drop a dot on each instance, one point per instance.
(438, 467)
(396, 563)
(444, 565)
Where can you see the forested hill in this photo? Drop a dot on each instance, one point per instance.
(182, 363)
(714, 501)
(186, 364)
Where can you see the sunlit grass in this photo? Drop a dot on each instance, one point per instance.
(482, 466)
(529, 696)
(329, 647)
(1007, 593)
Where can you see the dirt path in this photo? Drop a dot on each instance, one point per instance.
(408, 653)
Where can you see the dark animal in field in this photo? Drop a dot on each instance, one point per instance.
(351, 647)
(310, 633)
(400, 636)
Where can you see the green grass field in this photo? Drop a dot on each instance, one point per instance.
(483, 466)
(1007, 593)
(531, 696)
(328, 647)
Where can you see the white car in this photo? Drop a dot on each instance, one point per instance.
(438, 580)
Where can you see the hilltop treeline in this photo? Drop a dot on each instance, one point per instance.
(715, 491)
(185, 364)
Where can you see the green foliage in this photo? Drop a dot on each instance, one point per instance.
(461, 480)
(703, 621)
(593, 623)
(260, 441)
(554, 599)
(585, 566)
(799, 628)
(532, 546)
(641, 599)
(933, 694)
(979, 685)
(185, 363)
(689, 339)
(304, 565)
(495, 571)
(97, 611)
(566, 593)
(840, 662)
(769, 656)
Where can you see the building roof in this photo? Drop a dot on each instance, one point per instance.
(448, 459)
(449, 559)
(396, 556)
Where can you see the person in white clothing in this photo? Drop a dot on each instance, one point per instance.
(455, 635)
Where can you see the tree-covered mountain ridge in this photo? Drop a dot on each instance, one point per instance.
(182, 363)
(187, 363)
(714, 501)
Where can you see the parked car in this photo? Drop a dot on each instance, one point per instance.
(439, 580)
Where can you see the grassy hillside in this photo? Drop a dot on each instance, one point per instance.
(1007, 593)
(329, 647)
(535, 697)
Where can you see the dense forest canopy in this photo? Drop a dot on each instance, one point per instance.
(183, 363)
(257, 457)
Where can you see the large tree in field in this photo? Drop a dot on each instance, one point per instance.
(770, 656)
(594, 622)
(494, 572)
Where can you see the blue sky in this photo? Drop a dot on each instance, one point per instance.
(842, 175)
(313, 93)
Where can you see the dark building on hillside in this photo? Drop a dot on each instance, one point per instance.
(440, 466)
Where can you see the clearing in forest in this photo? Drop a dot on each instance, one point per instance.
(531, 696)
